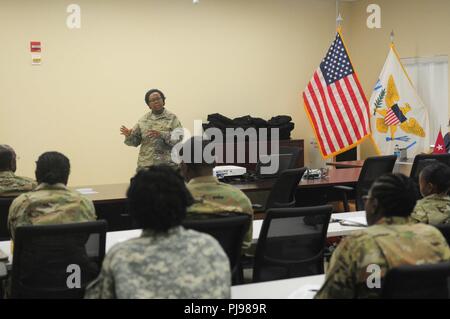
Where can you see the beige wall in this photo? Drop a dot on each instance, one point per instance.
(236, 57)
(421, 27)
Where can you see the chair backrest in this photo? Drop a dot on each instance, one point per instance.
(417, 282)
(283, 191)
(373, 168)
(284, 163)
(423, 160)
(295, 153)
(5, 202)
(57, 261)
(228, 229)
(445, 230)
(291, 243)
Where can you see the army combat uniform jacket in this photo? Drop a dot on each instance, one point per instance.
(50, 204)
(180, 263)
(13, 185)
(392, 242)
(212, 196)
(154, 150)
(433, 209)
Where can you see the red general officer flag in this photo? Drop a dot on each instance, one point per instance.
(439, 146)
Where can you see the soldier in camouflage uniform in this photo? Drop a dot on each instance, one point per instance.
(167, 261)
(10, 184)
(391, 240)
(51, 202)
(434, 207)
(153, 132)
(210, 195)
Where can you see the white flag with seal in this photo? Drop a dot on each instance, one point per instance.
(398, 115)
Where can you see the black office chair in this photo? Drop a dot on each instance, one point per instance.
(445, 230)
(5, 202)
(228, 229)
(373, 168)
(47, 259)
(417, 282)
(295, 153)
(291, 243)
(423, 160)
(282, 194)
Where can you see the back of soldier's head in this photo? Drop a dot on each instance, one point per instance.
(7, 158)
(395, 193)
(52, 168)
(437, 174)
(198, 153)
(158, 198)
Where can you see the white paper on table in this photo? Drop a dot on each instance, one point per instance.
(86, 191)
(356, 219)
(305, 292)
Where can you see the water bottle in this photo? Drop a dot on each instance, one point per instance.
(397, 151)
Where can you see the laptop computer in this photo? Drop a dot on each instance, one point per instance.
(265, 161)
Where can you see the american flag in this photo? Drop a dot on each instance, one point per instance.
(336, 104)
(391, 118)
(394, 116)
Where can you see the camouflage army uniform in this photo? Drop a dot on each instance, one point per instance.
(212, 196)
(433, 209)
(154, 150)
(178, 264)
(12, 185)
(392, 242)
(50, 204)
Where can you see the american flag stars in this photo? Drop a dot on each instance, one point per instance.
(336, 64)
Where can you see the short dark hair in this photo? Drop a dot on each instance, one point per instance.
(158, 198)
(150, 92)
(6, 157)
(190, 149)
(396, 194)
(437, 174)
(52, 168)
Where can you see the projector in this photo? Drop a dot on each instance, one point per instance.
(228, 170)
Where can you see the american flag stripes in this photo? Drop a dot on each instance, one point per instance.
(391, 118)
(336, 104)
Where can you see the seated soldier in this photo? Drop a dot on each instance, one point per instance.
(391, 240)
(51, 202)
(434, 207)
(210, 195)
(167, 261)
(10, 183)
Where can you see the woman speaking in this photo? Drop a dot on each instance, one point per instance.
(153, 132)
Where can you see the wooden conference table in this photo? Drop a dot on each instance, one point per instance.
(110, 200)
(401, 166)
(113, 192)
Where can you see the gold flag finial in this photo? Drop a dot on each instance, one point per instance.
(392, 36)
(339, 21)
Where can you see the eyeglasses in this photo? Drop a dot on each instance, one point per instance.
(155, 100)
(365, 198)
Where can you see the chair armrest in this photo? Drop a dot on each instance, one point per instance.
(344, 188)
